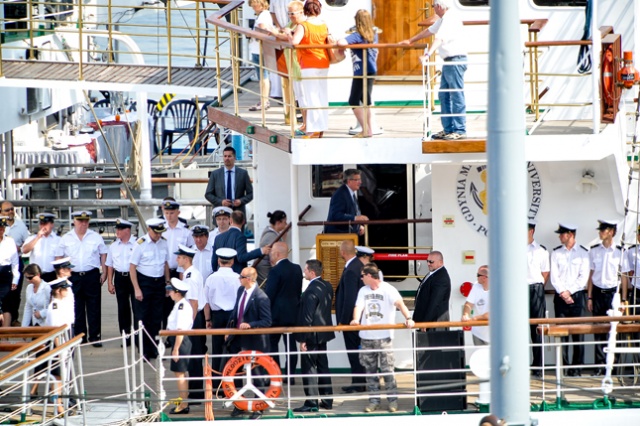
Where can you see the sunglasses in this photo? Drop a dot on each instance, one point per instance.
(8, 210)
(480, 275)
(242, 277)
(29, 277)
(431, 262)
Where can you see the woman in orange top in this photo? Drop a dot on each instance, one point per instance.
(314, 65)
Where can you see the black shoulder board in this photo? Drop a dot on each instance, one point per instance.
(163, 238)
(593, 246)
(188, 275)
(556, 248)
(140, 240)
(584, 248)
(543, 246)
(54, 305)
(632, 247)
(181, 306)
(619, 247)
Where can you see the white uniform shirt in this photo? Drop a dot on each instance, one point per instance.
(631, 263)
(202, 260)
(378, 307)
(38, 301)
(119, 254)
(58, 313)
(604, 263)
(450, 30)
(569, 268)
(480, 300)
(196, 286)
(221, 289)
(44, 252)
(9, 256)
(150, 257)
(537, 263)
(175, 236)
(85, 253)
(18, 231)
(181, 316)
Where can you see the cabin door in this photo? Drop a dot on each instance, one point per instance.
(399, 21)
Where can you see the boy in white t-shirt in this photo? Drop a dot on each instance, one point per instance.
(376, 305)
(478, 301)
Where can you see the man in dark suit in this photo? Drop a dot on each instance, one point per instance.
(432, 297)
(252, 310)
(284, 286)
(315, 310)
(234, 238)
(346, 294)
(229, 186)
(344, 205)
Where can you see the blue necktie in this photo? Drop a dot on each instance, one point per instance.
(229, 190)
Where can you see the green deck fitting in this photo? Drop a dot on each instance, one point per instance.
(290, 414)
(416, 411)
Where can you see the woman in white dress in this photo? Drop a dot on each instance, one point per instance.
(38, 297)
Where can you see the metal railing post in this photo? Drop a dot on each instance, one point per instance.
(169, 42)
(218, 71)
(80, 24)
(198, 55)
(110, 34)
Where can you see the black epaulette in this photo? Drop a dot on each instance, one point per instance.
(584, 248)
(188, 275)
(54, 305)
(181, 306)
(619, 247)
(140, 240)
(560, 246)
(593, 246)
(543, 246)
(163, 238)
(632, 247)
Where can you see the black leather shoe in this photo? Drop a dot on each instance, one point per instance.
(353, 389)
(326, 405)
(237, 412)
(537, 374)
(599, 372)
(176, 411)
(256, 415)
(97, 345)
(305, 409)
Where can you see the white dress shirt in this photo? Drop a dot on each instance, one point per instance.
(85, 254)
(119, 254)
(604, 263)
(569, 268)
(221, 289)
(44, 252)
(537, 263)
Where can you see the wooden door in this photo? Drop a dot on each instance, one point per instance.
(399, 20)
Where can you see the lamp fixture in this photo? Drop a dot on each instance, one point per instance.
(587, 184)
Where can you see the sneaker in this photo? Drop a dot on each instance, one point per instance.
(393, 406)
(371, 407)
(439, 135)
(454, 136)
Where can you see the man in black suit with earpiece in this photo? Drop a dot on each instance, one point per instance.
(432, 297)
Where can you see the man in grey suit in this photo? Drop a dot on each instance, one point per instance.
(229, 186)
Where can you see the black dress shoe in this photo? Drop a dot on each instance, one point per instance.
(97, 344)
(176, 411)
(237, 412)
(305, 409)
(536, 374)
(353, 389)
(599, 372)
(256, 415)
(326, 405)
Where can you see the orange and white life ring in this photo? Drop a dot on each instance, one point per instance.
(239, 361)
(607, 77)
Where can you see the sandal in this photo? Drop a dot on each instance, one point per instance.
(258, 107)
(299, 132)
(313, 135)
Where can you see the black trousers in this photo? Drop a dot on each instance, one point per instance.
(537, 308)
(601, 299)
(352, 342)
(575, 310)
(148, 311)
(290, 345)
(13, 299)
(48, 276)
(312, 365)
(219, 319)
(87, 292)
(198, 347)
(125, 297)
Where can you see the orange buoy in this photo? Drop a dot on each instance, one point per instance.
(628, 75)
(239, 361)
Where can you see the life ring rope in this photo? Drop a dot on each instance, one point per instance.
(249, 360)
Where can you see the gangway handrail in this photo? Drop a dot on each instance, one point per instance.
(364, 222)
(46, 333)
(419, 325)
(105, 180)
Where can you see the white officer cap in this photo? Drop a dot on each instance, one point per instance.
(566, 227)
(46, 217)
(226, 253)
(222, 210)
(200, 230)
(122, 224)
(178, 285)
(81, 215)
(185, 251)
(364, 251)
(60, 283)
(65, 262)
(532, 223)
(607, 224)
(156, 224)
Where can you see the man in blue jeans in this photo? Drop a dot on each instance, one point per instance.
(450, 43)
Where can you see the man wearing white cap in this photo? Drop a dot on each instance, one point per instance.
(149, 272)
(569, 276)
(88, 254)
(604, 261)
(537, 274)
(196, 298)
(17, 230)
(222, 217)
(118, 279)
(202, 259)
(221, 289)
(41, 246)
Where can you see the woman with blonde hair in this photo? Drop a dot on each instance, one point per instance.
(365, 34)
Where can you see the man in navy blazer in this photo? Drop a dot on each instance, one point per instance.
(241, 192)
(344, 205)
(315, 310)
(432, 296)
(284, 287)
(234, 239)
(346, 295)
